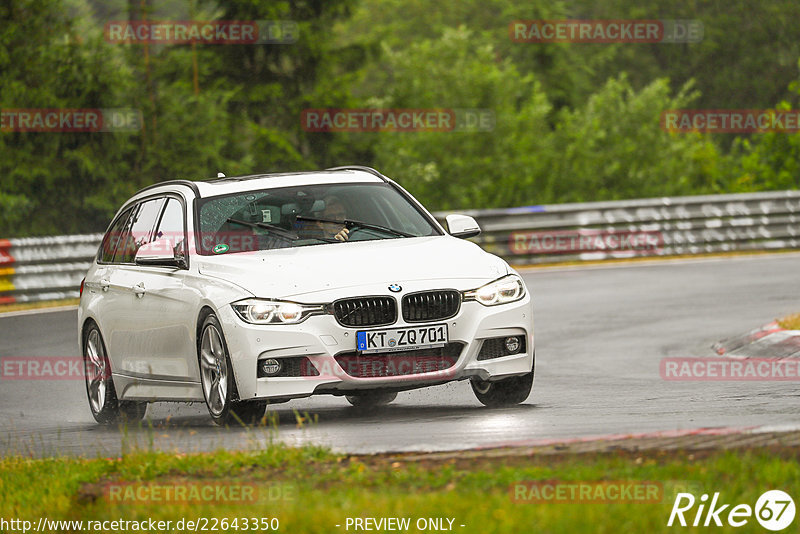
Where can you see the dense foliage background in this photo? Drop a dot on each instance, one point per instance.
(574, 122)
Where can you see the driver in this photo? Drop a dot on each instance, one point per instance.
(335, 210)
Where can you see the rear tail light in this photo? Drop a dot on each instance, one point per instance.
(82, 282)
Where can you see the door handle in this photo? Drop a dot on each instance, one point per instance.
(139, 289)
(104, 284)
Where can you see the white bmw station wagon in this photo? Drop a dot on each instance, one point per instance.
(244, 291)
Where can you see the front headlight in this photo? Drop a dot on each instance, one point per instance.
(260, 311)
(502, 291)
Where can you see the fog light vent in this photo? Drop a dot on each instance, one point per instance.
(286, 367)
(497, 347)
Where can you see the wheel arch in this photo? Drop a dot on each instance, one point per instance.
(205, 311)
(88, 322)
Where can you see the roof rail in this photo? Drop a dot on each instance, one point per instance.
(196, 190)
(260, 176)
(359, 168)
(187, 183)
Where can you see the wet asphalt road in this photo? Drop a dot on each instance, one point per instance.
(600, 335)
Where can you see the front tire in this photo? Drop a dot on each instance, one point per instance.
(506, 392)
(106, 408)
(217, 380)
(371, 399)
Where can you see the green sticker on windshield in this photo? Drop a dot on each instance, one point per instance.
(220, 248)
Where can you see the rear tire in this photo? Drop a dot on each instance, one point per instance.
(506, 392)
(106, 408)
(218, 382)
(371, 399)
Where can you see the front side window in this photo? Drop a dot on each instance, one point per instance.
(307, 215)
(170, 227)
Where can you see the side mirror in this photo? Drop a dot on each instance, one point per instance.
(462, 226)
(160, 254)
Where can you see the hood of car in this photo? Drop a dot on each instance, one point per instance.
(327, 270)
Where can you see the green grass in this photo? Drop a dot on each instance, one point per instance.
(792, 322)
(324, 488)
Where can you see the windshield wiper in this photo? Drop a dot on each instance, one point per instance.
(277, 230)
(350, 223)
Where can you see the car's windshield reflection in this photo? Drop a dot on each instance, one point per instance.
(308, 215)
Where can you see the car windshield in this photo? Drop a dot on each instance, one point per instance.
(307, 215)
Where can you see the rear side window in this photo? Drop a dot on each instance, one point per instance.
(113, 237)
(124, 238)
(142, 226)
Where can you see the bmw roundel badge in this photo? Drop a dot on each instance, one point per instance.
(395, 288)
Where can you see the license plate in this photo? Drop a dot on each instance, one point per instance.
(397, 339)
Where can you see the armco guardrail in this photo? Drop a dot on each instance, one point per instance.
(645, 227)
(51, 268)
(44, 268)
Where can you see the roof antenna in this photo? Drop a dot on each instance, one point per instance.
(221, 175)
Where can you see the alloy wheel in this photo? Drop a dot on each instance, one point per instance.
(214, 370)
(96, 371)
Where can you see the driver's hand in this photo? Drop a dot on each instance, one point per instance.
(343, 235)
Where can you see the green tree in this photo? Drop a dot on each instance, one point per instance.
(58, 183)
(467, 169)
(768, 161)
(614, 148)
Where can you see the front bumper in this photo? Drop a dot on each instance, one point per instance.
(320, 338)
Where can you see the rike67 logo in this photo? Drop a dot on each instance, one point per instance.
(774, 510)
